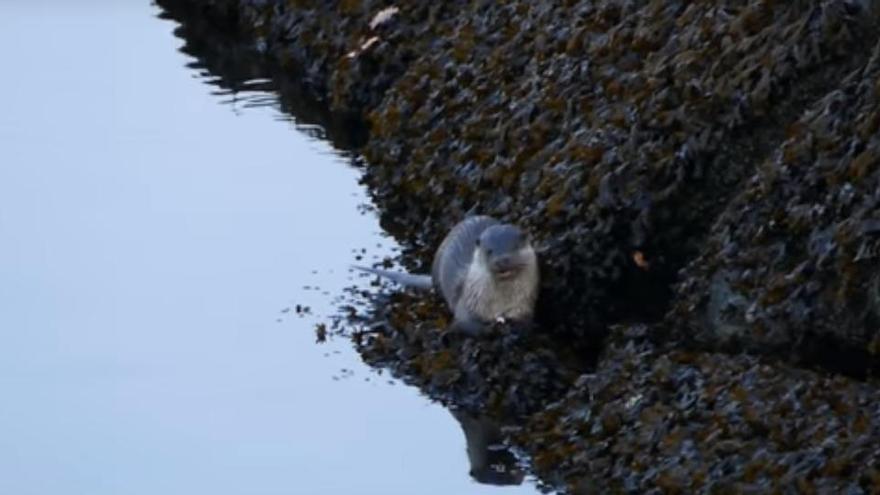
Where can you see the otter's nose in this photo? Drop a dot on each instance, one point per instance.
(504, 264)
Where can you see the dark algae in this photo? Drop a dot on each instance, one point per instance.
(791, 266)
(702, 180)
(659, 419)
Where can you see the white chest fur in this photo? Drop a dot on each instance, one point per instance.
(490, 299)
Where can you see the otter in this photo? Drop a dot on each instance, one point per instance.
(487, 271)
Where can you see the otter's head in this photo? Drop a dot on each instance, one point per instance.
(505, 251)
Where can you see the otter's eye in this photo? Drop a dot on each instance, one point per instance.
(489, 252)
(478, 243)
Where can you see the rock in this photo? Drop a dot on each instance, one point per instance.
(791, 266)
(655, 419)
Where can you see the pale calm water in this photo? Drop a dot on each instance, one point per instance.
(150, 236)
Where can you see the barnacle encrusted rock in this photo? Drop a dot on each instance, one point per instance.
(510, 372)
(792, 266)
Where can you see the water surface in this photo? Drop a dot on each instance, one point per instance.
(150, 236)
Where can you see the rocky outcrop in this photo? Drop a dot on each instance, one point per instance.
(791, 266)
(666, 420)
(612, 129)
(701, 176)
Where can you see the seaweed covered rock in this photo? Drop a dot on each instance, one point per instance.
(347, 52)
(511, 372)
(654, 420)
(792, 267)
(614, 130)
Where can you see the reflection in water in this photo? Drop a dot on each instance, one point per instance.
(243, 76)
(491, 462)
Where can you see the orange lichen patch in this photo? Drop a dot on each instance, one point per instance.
(639, 259)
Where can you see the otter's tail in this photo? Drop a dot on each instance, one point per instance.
(415, 281)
